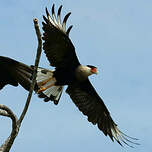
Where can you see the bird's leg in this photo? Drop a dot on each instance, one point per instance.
(44, 88)
(44, 82)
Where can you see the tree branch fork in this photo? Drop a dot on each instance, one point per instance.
(7, 112)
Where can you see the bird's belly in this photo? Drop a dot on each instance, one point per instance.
(64, 77)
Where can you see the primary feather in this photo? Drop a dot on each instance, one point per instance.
(90, 104)
(57, 45)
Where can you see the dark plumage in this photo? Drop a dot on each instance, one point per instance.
(14, 72)
(68, 71)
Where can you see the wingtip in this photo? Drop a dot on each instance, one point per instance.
(66, 17)
(45, 19)
(121, 137)
(69, 29)
(47, 12)
(59, 10)
(53, 12)
(55, 19)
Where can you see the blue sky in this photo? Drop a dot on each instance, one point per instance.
(115, 36)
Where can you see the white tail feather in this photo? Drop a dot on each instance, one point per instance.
(43, 74)
(53, 92)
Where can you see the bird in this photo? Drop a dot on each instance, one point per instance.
(68, 71)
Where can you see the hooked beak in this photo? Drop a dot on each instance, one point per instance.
(94, 70)
(96, 73)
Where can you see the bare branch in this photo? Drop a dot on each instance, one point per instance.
(39, 50)
(8, 112)
(5, 111)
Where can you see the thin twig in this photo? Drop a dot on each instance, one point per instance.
(39, 50)
(5, 111)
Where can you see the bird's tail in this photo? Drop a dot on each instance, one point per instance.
(45, 79)
(14, 73)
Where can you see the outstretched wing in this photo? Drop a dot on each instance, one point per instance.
(57, 45)
(90, 104)
(14, 72)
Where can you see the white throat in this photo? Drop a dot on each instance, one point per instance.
(82, 72)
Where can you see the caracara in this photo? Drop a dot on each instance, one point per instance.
(68, 71)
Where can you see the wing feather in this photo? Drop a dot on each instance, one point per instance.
(90, 104)
(57, 44)
(14, 72)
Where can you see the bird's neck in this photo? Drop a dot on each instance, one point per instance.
(82, 72)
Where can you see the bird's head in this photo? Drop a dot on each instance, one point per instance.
(93, 69)
(83, 71)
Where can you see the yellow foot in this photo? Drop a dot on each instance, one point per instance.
(42, 83)
(41, 90)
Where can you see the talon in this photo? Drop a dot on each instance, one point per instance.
(41, 90)
(43, 83)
